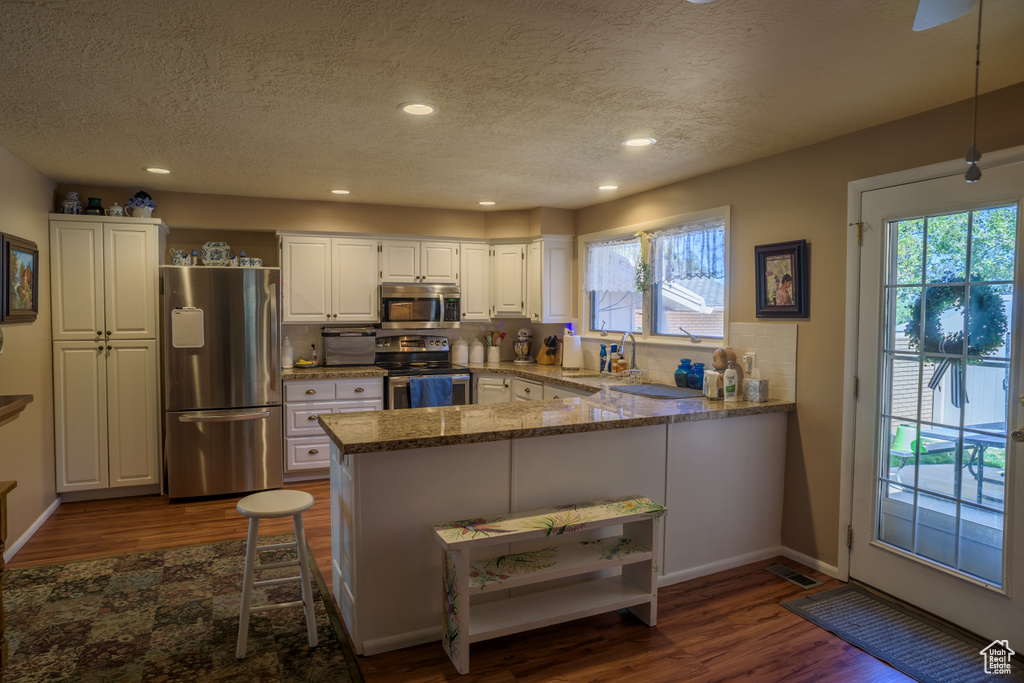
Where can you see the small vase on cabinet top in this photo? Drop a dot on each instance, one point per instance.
(696, 378)
(93, 208)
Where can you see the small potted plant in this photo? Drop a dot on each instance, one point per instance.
(140, 205)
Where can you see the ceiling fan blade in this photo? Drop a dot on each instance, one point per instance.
(932, 13)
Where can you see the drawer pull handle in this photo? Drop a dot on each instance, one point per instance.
(312, 417)
(313, 451)
(527, 389)
(359, 390)
(310, 391)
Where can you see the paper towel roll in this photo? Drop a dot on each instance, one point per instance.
(572, 352)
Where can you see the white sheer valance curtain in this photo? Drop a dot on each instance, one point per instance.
(611, 265)
(694, 250)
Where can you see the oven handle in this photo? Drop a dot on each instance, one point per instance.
(403, 380)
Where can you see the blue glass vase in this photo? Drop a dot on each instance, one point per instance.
(696, 378)
(682, 373)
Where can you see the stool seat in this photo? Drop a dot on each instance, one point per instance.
(280, 503)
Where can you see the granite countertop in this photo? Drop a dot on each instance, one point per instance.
(321, 372)
(390, 430)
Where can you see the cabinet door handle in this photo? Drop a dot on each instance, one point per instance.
(526, 389)
(310, 391)
(100, 347)
(108, 333)
(99, 333)
(359, 390)
(313, 451)
(312, 417)
(109, 348)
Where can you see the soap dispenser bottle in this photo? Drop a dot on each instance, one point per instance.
(729, 381)
(604, 357)
(287, 354)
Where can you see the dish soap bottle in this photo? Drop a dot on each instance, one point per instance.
(729, 381)
(604, 357)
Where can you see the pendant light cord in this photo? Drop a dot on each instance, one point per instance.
(977, 74)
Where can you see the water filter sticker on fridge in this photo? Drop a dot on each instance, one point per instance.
(187, 328)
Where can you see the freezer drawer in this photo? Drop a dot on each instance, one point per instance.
(212, 452)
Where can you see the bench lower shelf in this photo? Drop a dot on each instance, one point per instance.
(553, 606)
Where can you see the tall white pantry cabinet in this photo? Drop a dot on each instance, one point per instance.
(104, 309)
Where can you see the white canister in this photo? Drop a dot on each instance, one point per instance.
(493, 354)
(460, 351)
(476, 352)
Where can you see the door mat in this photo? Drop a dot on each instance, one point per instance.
(922, 648)
(168, 615)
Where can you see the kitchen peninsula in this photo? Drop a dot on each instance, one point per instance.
(717, 467)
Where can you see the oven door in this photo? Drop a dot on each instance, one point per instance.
(398, 391)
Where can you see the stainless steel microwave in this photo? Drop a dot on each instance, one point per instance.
(419, 307)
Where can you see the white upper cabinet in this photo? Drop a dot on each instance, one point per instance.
(549, 280)
(475, 272)
(508, 279)
(104, 279)
(329, 279)
(413, 261)
(355, 295)
(306, 278)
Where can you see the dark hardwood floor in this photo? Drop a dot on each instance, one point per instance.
(725, 627)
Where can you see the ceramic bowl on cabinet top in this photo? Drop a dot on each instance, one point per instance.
(215, 254)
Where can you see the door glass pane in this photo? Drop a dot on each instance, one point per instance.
(945, 380)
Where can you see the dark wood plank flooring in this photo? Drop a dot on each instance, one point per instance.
(725, 627)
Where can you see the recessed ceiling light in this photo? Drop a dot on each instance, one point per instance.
(608, 187)
(340, 191)
(638, 142)
(418, 108)
(486, 203)
(162, 171)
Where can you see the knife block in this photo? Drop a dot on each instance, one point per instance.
(544, 359)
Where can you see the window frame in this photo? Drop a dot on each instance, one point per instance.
(647, 335)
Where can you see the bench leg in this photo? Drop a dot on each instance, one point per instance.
(455, 612)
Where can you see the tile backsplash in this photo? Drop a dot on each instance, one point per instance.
(774, 344)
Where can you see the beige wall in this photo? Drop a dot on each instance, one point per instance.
(26, 444)
(802, 195)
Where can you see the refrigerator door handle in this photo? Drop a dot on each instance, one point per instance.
(223, 416)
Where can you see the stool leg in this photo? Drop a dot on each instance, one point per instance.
(307, 589)
(247, 585)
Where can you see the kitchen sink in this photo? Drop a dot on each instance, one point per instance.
(658, 391)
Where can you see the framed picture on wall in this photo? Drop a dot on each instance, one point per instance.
(19, 273)
(781, 276)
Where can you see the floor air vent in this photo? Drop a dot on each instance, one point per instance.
(792, 576)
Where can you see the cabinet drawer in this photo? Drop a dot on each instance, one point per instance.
(311, 453)
(300, 419)
(525, 390)
(370, 387)
(322, 390)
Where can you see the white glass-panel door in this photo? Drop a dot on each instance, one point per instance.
(935, 474)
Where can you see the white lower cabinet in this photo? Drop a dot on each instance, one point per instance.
(306, 445)
(492, 389)
(106, 416)
(526, 390)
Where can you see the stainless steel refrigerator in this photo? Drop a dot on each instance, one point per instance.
(222, 379)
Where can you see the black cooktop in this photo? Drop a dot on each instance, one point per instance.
(437, 367)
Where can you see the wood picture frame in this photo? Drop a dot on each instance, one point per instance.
(781, 277)
(19, 275)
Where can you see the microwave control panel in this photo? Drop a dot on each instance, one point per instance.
(451, 310)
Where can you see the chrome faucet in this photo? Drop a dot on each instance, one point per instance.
(622, 345)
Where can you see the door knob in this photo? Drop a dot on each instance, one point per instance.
(1017, 435)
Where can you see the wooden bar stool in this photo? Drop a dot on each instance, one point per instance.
(271, 504)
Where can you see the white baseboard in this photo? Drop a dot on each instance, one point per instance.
(808, 561)
(427, 635)
(719, 565)
(23, 539)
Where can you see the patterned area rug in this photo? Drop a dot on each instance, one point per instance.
(924, 649)
(167, 615)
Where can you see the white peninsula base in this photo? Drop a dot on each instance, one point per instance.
(721, 480)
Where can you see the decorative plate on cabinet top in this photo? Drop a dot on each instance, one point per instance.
(215, 254)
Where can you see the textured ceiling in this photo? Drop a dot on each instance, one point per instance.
(291, 98)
